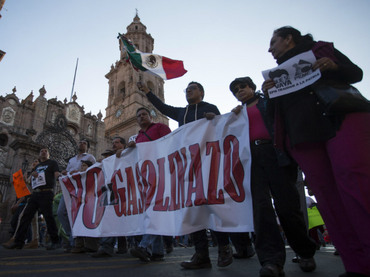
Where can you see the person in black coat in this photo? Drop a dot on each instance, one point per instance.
(332, 149)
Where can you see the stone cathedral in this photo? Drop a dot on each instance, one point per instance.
(123, 97)
(28, 124)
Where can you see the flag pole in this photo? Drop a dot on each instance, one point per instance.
(74, 78)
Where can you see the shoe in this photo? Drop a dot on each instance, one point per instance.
(13, 245)
(121, 251)
(32, 245)
(141, 253)
(169, 249)
(53, 246)
(67, 247)
(90, 250)
(225, 256)
(8, 243)
(246, 254)
(307, 265)
(157, 257)
(271, 270)
(78, 250)
(197, 261)
(250, 251)
(101, 254)
(295, 259)
(336, 253)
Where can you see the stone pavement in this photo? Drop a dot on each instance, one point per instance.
(41, 263)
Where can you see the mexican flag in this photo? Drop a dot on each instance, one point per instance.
(163, 67)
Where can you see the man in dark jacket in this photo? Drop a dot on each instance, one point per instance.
(196, 109)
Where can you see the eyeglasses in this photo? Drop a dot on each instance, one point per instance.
(191, 88)
(238, 87)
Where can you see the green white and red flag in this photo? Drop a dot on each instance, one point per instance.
(159, 65)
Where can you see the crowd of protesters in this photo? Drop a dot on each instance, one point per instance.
(286, 133)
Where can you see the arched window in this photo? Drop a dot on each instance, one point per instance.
(121, 91)
(3, 139)
(111, 95)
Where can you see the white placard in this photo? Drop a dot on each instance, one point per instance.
(292, 75)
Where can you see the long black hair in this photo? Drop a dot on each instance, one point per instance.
(296, 35)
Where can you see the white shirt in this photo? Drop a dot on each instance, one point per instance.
(309, 201)
(74, 163)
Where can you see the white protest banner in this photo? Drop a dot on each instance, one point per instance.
(292, 75)
(194, 178)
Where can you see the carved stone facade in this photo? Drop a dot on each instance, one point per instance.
(123, 96)
(26, 125)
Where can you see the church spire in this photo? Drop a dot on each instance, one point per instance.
(136, 32)
(137, 18)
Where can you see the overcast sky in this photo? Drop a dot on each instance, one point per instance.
(217, 40)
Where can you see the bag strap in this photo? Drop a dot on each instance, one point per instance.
(147, 136)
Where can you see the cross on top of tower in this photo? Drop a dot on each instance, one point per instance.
(137, 18)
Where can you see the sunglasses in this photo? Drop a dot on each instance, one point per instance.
(238, 87)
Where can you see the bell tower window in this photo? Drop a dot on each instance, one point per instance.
(122, 91)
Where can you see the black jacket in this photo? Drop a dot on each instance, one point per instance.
(300, 115)
(183, 115)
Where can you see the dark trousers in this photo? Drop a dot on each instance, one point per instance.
(314, 233)
(269, 180)
(42, 202)
(122, 243)
(167, 241)
(200, 241)
(15, 218)
(241, 241)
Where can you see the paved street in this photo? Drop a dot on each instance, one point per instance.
(41, 263)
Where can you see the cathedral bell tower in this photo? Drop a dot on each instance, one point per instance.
(124, 98)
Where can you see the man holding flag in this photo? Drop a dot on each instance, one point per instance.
(196, 109)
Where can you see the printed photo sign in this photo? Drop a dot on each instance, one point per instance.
(292, 75)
